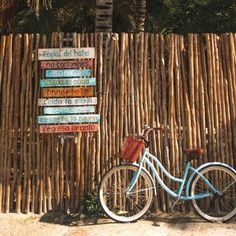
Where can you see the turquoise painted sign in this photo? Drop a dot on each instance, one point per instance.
(68, 119)
(67, 101)
(68, 110)
(68, 73)
(67, 82)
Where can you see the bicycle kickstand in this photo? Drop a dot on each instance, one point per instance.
(174, 204)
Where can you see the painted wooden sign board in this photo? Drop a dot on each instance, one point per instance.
(45, 54)
(68, 110)
(67, 101)
(67, 82)
(68, 92)
(77, 128)
(66, 64)
(68, 119)
(67, 73)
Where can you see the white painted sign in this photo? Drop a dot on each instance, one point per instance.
(67, 101)
(65, 53)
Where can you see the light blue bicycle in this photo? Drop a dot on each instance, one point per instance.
(126, 191)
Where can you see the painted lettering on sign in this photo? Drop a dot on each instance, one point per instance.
(68, 73)
(68, 110)
(68, 128)
(66, 64)
(68, 92)
(67, 101)
(65, 53)
(67, 82)
(64, 119)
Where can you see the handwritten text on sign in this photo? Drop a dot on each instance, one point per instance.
(65, 53)
(68, 128)
(66, 64)
(68, 110)
(64, 119)
(67, 82)
(67, 101)
(68, 92)
(68, 73)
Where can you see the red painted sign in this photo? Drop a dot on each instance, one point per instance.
(68, 92)
(66, 64)
(77, 128)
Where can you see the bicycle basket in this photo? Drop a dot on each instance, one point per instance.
(132, 149)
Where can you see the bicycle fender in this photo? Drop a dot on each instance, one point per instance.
(202, 167)
(145, 170)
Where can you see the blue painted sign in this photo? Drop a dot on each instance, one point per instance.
(67, 101)
(68, 73)
(68, 119)
(68, 110)
(65, 53)
(67, 82)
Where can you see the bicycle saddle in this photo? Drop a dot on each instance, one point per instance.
(194, 153)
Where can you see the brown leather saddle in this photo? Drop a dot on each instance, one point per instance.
(193, 154)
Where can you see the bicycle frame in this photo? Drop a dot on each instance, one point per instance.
(146, 160)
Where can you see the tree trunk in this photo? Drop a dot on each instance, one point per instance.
(141, 14)
(103, 21)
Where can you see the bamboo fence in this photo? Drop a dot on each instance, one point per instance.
(185, 84)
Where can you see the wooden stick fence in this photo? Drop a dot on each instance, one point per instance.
(186, 84)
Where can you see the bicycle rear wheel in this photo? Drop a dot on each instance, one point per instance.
(116, 202)
(219, 207)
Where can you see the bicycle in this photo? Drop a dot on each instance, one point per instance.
(126, 191)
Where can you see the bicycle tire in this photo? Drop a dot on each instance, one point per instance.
(218, 207)
(116, 203)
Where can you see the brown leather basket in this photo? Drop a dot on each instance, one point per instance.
(132, 148)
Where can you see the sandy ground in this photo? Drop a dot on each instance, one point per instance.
(58, 224)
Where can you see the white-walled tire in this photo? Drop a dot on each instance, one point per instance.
(119, 205)
(219, 207)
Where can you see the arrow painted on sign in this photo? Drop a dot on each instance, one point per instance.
(68, 92)
(68, 73)
(68, 110)
(64, 119)
(67, 82)
(67, 101)
(68, 128)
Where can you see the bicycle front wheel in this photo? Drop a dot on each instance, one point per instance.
(116, 202)
(220, 206)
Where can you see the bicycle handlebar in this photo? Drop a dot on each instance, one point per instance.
(147, 129)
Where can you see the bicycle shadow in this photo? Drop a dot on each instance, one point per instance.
(176, 220)
(75, 219)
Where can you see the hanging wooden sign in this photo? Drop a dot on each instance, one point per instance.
(67, 73)
(45, 54)
(76, 128)
(68, 92)
(68, 110)
(67, 119)
(66, 64)
(67, 82)
(67, 101)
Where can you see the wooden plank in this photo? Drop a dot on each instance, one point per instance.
(66, 64)
(65, 53)
(68, 110)
(67, 101)
(68, 92)
(63, 119)
(77, 128)
(67, 73)
(67, 82)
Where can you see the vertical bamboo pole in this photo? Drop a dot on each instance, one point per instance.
(2, 57)
(8, 130)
